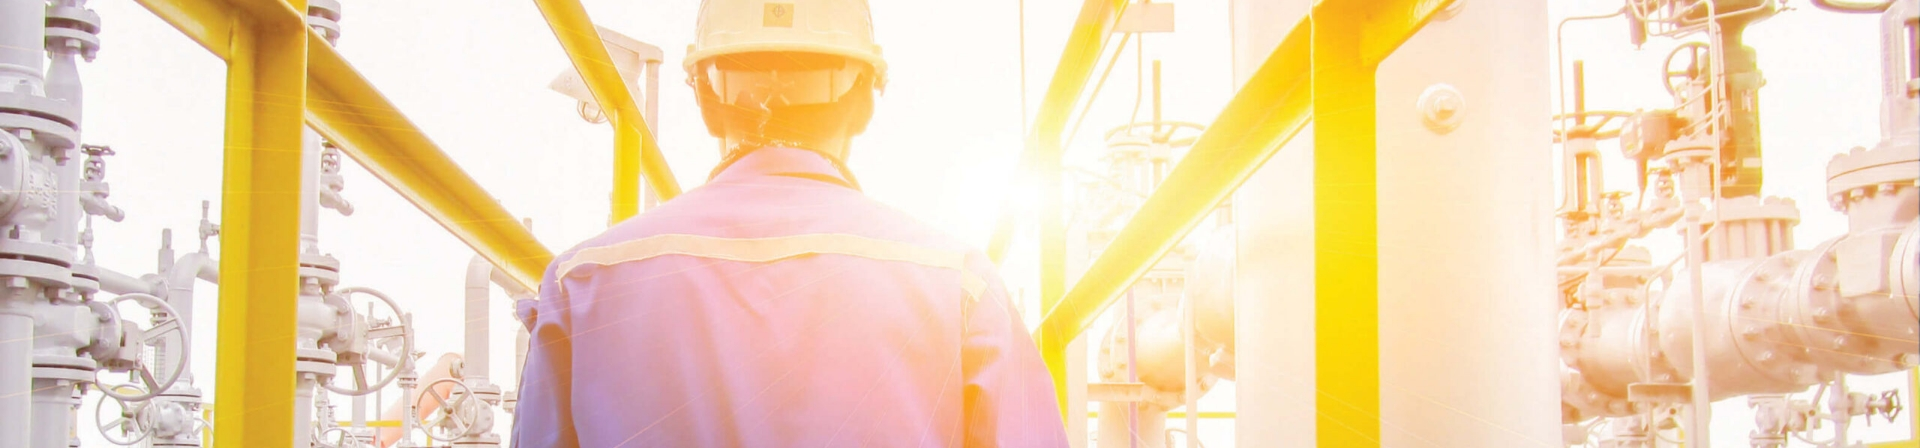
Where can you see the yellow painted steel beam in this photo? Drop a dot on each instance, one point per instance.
(1085, 43)
(351, 113)
(1346, 263)
(1276, 103)
(260, 216)
(1261, 117)
(589, 55)
(346, 108)
(626, 171)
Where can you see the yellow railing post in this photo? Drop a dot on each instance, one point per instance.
(626, 171)
(1346, 284)
(260, 216)
(581, 39)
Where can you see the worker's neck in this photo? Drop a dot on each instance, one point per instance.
(835, 147)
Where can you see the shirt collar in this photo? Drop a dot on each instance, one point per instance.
(785, 162)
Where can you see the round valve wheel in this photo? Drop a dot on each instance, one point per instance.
(456, 416)
(387, 341)
(339, 437)
(1695, 57)
(166, 324)
(127, 428)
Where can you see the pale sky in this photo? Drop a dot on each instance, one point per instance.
(473, 75)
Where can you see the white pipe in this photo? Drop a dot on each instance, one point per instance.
(16, 366)
(303, 412)
(479, 272)
(1702, 414)
(23, 29)
(118, 283)
(179, 294)
(52, 410)
(309, 190)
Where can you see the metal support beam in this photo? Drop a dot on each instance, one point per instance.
(1269, 110)
(626, 171)
(346, 109)
(1345, 234)
(260, 200)
(1333, 63)
(1042, 159)
(589, 55)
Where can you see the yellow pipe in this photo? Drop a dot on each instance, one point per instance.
(344, 107)
(260, 200)
(589, 55)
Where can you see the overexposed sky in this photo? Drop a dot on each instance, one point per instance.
(473, 75)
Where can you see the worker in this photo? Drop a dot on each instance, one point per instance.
(777, 305)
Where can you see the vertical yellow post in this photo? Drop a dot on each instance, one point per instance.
(1053, 266)
(1345, 234)
(626, 170)
(260, 217)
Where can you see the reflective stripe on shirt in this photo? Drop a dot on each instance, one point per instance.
(771, 249)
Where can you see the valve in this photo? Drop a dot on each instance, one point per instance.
(208, 229)
(341, 438)
(331, 182)
(460, 415)
(126, 429)
(124, 353)
(137, 422)
(384, 341)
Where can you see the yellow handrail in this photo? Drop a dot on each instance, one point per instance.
(589, 55)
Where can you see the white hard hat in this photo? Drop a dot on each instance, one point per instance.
(831, 27)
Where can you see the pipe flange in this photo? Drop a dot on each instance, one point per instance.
(55, 123)
(52, 254)
(1756, 324)
(85, 278)
(68, 368)
(1816, 321)
(324, 268)
(1903, 273)
(73, 27)
(1860, 172)
(319, 362)
(38, 272)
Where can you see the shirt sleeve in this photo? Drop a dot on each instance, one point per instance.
(1009, 394)
(544, 417)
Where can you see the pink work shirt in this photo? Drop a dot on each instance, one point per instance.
(776, 306)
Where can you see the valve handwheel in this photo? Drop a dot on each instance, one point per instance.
(1696, 58)
(342, 438)
(125, 430)
(452, 420)
(164, 325)
(378, 336)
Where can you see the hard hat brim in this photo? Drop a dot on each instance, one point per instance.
(696, 57)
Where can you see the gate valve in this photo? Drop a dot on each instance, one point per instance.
(125, 351)
(386, 341)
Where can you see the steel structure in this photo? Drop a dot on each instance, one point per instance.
(1331, 54)
(283, 77)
